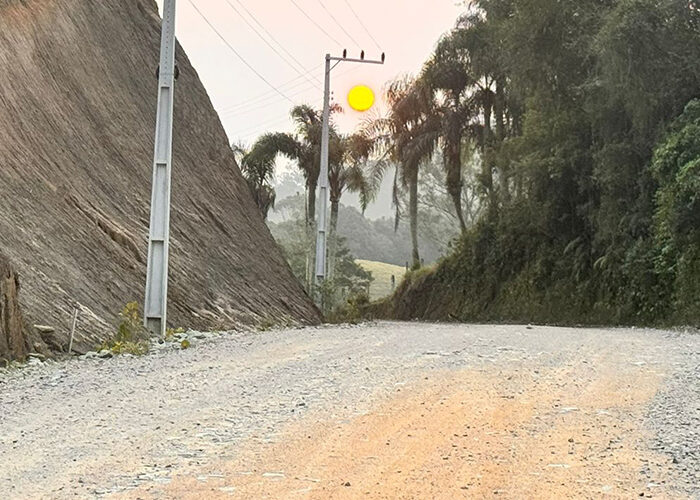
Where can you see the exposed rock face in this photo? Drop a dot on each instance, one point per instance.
(77, 115)
(14, 342)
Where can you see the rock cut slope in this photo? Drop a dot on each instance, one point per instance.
(77, 114)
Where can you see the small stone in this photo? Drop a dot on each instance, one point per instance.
(347, 484)
(44, 329)
(568, 409)
(273, 475)
(105, 354)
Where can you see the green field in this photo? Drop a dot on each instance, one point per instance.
(381, 272)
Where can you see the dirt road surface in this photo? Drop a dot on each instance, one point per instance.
(388, 410)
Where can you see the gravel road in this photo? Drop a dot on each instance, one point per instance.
(581, 412)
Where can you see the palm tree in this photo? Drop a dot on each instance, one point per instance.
(347, 158)
(479, 44)
(258, 169)
(409, 136)
(304, 147)
(447, 75)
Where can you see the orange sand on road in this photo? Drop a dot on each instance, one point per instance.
(517, 434)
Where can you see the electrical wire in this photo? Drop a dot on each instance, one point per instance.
(339, 25)
(256, 129)
(266, 96)
(363, 24)
(285, 59)
(227, 114)
(238, 55)
(331, 37)
(247, 107)
(262, 26)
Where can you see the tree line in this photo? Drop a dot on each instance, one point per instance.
(577, 127)
(348, 155)
(584, 120)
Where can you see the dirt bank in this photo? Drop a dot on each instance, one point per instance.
(77, 117)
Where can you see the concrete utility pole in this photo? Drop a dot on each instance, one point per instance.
(156, 301)
(322, 228)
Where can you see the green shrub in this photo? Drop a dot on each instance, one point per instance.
(171, 332)
(131, 336)
(353, 311)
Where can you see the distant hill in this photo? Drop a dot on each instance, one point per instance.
(381, 273)
(373, 240)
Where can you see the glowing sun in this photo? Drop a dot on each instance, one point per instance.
(361, 98)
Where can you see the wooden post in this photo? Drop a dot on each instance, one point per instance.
(72, 330)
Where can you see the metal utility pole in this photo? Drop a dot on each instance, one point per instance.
(156, 301)
(323, 176)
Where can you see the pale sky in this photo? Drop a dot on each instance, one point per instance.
(406, 30)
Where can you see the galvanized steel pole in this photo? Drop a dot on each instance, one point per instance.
(323, 199)
(156, 297)
(323, 186)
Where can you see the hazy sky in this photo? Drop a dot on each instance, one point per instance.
(406, 30)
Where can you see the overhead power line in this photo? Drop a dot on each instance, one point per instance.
(274, 49)
(280, 45)
(359, 20)
(288, 85)
(331, 37)
(271, 98)
(339, 24)
(261, 127)
(266, 104)
(267, 97)
(238, 55)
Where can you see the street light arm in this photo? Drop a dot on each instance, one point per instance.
(350, 59)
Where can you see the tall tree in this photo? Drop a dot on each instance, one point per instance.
(409, 135)
(348, 157)
(258, 169)
(304, 148)
(447, 75)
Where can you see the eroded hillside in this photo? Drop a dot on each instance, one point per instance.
(77, 114)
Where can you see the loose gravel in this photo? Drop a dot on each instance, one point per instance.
(91, 427)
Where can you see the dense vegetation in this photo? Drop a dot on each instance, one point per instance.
(290, 233)
(376, 240)
(551, 147)
(581, 121)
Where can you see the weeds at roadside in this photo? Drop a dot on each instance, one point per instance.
(352, 312)
(170, 333)
(266, 324)
(131, 336)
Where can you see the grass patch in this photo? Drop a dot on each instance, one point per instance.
(382, 273)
